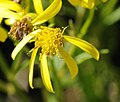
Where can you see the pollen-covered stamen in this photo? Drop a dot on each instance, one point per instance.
(49, 39)
(21, 28)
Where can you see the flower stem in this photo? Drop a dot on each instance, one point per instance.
(57, 86)
(4, 66)
(79, 19)
(16, 63)
(87, 23)
(84, 28)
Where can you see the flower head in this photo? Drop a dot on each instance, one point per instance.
(22, 20)
(51, 41)
(83, 3)
(21, 28)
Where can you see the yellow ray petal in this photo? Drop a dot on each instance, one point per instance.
(87, 47)
(1, 20)
(22, 43)
(84, 3)
(10, 21)
(72, 65)
(31, 15)
(5, 4)
(4, 13)
(3, 34)
(45, 74)
(32, 60)
(74, 2)
(88, 3)
(38, 6)
(50, 12)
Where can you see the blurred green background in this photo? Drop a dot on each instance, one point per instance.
(97, 81)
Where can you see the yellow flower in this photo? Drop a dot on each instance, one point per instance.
(12, 10)
(3, 34)
(3, 6)
(83, 3)
(51, 41)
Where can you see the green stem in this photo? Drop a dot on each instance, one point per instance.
(79, 18)
(2, 86)
(84, 28)
(87, 23)
(12, 89)
(58, 87)
(20, 93)
(16, 63)
(4, 66)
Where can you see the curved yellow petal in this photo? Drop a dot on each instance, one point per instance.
(5, 4)
(3, 35)
(74, 2)
(32, 60)
(87, 47)
(50, 12)
(10, 21)
(4, 13)
(31, 15)
(23, 42)
(72, 65)
(83, 3)
(38, 6)
(1, 20)
(87, 3)
(20, 45)
(45, 74)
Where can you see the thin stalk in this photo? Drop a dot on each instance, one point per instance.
(84, 28)
(57, 84)
(16, 63)
(21, 94)
(2, 86)
(87, 23)
(4, 66)
(79, 18)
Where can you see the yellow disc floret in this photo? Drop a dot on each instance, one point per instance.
(49, 39)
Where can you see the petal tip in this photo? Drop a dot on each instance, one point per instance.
(97, 57)
(31, 86)
(73, 76)
(13, 57)
(52, 91)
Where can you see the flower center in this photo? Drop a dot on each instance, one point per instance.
(21, 28)
(49, 39)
